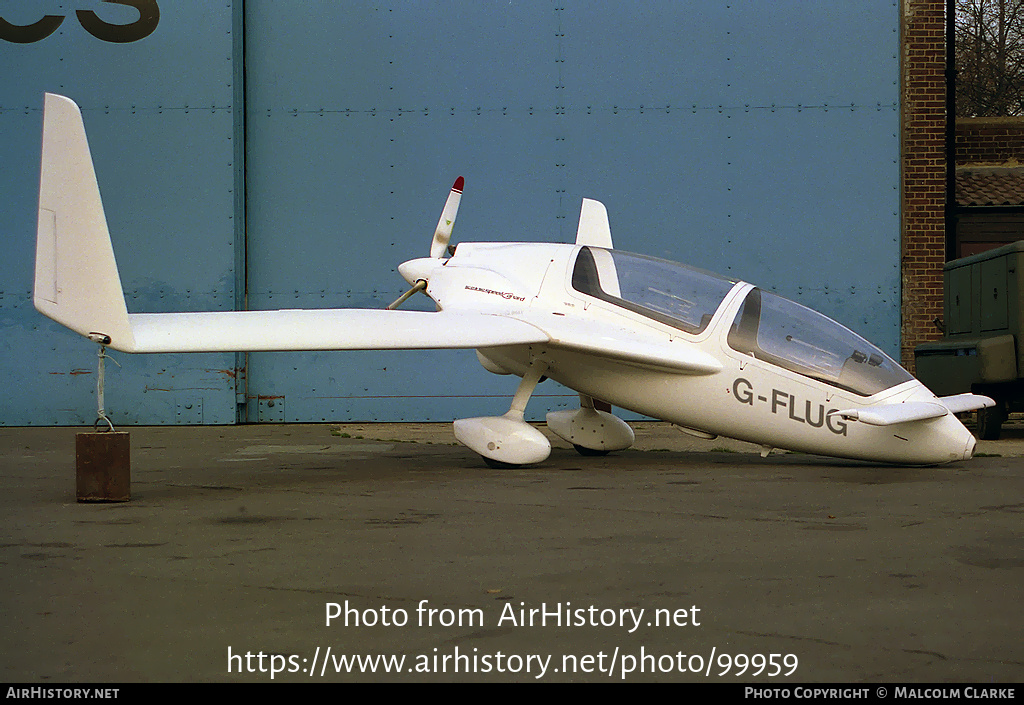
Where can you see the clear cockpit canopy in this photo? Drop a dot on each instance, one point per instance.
(768, 327)
(784, 333)
(674, 294)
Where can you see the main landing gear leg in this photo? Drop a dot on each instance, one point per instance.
(508, 441)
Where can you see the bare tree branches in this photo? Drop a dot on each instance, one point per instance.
(989, 58)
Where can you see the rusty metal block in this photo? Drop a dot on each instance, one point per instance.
(103, 467)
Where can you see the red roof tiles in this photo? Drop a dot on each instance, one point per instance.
(990, 186)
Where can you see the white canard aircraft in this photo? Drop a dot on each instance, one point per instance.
(712, 355)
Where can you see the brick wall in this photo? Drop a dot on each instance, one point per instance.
(990, 141)
(924, 171)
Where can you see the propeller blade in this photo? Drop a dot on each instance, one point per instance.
(444, 226)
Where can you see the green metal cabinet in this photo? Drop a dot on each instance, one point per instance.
(984, 320)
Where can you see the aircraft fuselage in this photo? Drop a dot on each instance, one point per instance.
(749, 398)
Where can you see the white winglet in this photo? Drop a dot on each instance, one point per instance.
(76, 279)
(594, 228)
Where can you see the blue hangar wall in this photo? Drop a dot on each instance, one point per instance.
(282, 155)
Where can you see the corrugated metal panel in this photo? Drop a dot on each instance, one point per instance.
(750, 140)
(746, 138)
(161, 124)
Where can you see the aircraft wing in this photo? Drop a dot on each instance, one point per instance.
(325, 329)
(615, 342)
(891, 414)
(77, 282)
